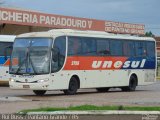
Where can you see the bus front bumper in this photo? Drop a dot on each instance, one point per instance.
(31, 86)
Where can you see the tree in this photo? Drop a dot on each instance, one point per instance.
(149, 34)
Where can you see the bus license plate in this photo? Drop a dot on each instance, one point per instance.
(26, 86)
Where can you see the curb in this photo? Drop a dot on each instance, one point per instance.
(97, 112)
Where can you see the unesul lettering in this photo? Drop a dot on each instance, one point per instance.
(118, 64)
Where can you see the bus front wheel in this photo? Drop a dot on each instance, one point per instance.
(132, 84)
(39, 92)
(73, 87)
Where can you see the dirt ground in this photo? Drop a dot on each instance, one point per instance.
(12, 101)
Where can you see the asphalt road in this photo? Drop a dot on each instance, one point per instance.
(16, 100)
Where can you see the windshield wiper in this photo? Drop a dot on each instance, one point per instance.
(32, 64)
(27, 56)
(21, 64)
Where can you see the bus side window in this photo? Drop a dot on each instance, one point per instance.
(88, 46)
(150, 49)
(103, 47)
(128, 48)
(5, 50)
(58, 54)
(8, 51)
(74, 46)
(116, 47)
(4, 46)
(140, 49)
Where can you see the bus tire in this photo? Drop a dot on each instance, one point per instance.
(132, 84)
(39, 92)
(102, 89)
(73, 87)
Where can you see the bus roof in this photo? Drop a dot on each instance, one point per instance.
(84, 33)
(7, 38)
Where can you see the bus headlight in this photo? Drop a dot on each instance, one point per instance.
(42, 80)
(11, 80)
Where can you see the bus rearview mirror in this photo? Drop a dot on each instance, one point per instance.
(55, 54)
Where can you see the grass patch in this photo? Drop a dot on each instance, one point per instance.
(143, 108)
(92, 107)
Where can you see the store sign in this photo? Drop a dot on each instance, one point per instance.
(21, 17)
(118, 27)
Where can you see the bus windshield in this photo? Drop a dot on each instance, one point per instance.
(31, 56)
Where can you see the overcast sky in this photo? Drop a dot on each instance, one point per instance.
(132, 11)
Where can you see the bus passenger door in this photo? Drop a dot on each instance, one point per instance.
(58, 75)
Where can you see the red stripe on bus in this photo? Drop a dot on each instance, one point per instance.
(94, 63)
(7, 63)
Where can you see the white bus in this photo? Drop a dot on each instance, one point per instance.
(64, 59)
(6, 42)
